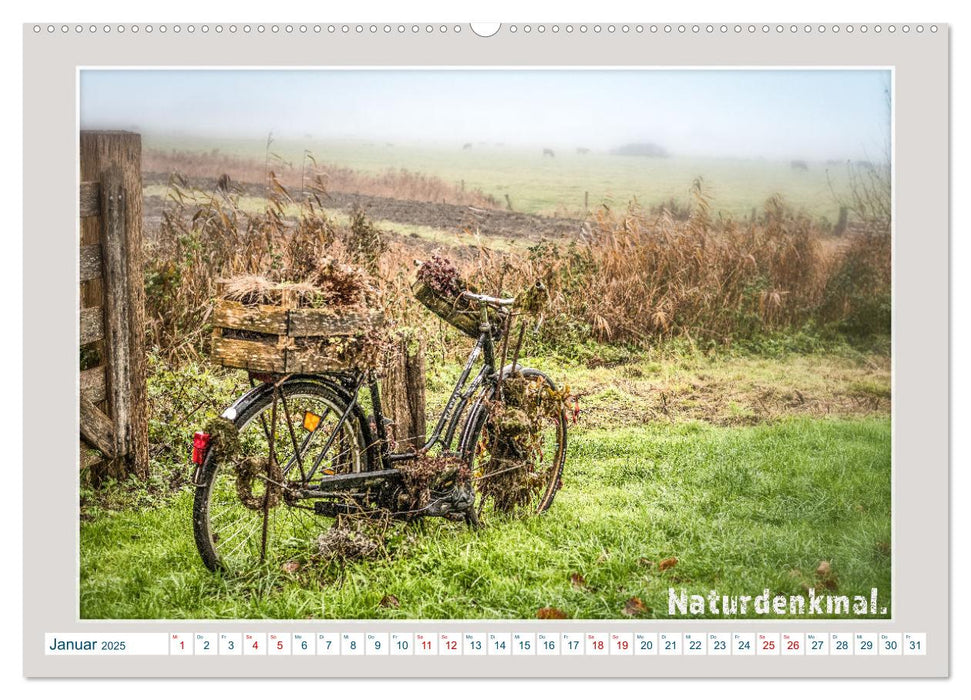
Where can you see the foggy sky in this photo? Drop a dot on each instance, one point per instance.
(818, 114)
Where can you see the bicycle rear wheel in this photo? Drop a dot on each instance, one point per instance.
(242, 515)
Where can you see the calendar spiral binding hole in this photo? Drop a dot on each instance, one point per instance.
(518, 29)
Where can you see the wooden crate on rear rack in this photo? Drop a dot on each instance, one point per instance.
(286, 339)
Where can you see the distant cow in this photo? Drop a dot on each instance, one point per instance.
(799, 165)
(548, 152)
(583, 151)
(467, 147)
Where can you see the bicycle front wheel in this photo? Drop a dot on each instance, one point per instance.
(526, 482)
(244, 513)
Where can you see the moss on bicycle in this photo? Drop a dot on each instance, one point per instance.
(514, 475)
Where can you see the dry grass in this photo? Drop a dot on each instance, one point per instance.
(639, 277)
(633, 278)
(729, 391)
(228, 169)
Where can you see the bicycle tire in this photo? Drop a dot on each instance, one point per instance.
(218, 480)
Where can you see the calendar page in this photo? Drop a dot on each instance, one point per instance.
(536, 350)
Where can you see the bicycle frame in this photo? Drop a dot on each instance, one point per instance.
(448, 422)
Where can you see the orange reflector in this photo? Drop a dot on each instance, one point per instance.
(329, 472)
(311, 421)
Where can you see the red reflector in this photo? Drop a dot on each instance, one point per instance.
(200, 441)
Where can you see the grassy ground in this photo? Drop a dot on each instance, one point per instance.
(557, 185)
(746, 490)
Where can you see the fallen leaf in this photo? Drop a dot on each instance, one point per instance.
(390, 601)
(645, 562)
(604, 555)
(635, 606)
(577, 580)
(824, 569)
(291, 566)
(550, 614)
(668, 563)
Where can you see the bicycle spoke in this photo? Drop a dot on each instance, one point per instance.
(266, 494)
(293, 436)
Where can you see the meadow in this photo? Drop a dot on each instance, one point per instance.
(560, 185)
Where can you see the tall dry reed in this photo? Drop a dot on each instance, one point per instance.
(637, 277)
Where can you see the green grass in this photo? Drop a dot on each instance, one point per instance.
(741, 508)
(557, 185)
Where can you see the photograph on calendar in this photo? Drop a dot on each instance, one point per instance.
(485, 344)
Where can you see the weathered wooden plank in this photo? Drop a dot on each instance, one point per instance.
(92, 325)
(403, 391)
(97, 428)
(249, 354)
(326, 322)
(90, 262)
(321, 356)
(90, 457)
(117, 319)
(90, 199)
(93, 384)
(114, 159)
(261, 319)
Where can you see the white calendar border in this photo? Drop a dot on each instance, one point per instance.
(50, 63)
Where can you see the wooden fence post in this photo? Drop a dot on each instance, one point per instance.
(843, 221)
(404, 391)
(114, 295)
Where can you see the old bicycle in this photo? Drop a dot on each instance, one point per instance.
(313, 446)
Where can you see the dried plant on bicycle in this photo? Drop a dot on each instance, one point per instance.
(223, 438)
(513, 474)
(225, 449)
(252, 469)
(427, 474)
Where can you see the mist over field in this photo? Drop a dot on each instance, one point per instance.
(749, 114)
